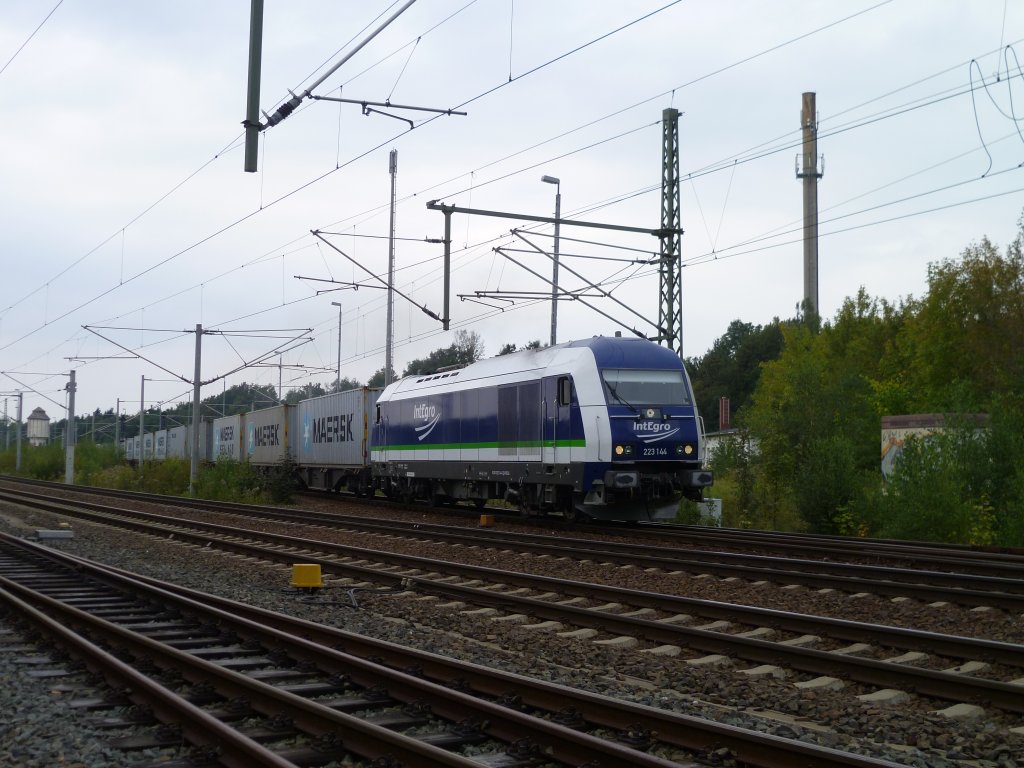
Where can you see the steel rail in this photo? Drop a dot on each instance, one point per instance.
(939, 684)
(972, 597)
(855, 577)
(363, 738)
(937, 555)
(893, 582)
(347, 652)
(198, 727)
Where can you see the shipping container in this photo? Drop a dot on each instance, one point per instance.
(331, 444)
(179, 441)
(128, 448)
(268, 434)
(177, 447)
(227, 438)
(205, 441)
(147, 446)
(160, 451)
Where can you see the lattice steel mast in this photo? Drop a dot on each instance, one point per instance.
(670, 292)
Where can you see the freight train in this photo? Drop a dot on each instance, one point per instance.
(602, 428)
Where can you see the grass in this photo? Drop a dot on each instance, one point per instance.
(101, 466)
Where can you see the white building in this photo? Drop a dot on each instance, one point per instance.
(38, 428)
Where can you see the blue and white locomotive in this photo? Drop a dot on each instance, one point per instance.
(602, 428)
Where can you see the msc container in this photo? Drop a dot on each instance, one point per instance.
(331, 444)
(227, 438)
(176, 442)
(268, 434)
(160, 449)
(205, 441)
(179, 441)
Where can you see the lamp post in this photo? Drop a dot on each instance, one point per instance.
(554, 272)
(337, 381)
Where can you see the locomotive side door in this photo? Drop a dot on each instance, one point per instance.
(557, 397)
(549, 420)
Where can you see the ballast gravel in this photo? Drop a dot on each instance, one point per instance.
(909, 734)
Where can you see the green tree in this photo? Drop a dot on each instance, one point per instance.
(344, 385)
(967, 335)
(465, 349)
(732, 367)
(305, 392)
(937, 490)
(377, 380)
(508, 349)
(815, 416)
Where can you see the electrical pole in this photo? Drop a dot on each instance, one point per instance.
(117, 427)
(252, 103)
(554, 256)
(142, 422)
(670, 291)
(17, 459)
(7, 427)
(193, 471)
(71, 433)
(393, 168)
(337, 383)
(809, 171)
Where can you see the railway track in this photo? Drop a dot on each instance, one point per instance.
(890, 557)
(663, 620)
(970, 589)
(234, 663)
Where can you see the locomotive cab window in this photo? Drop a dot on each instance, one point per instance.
(638, 387)
(564, 390)
(378, 414)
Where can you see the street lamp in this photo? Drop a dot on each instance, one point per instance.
(554, 273)
(337, 304)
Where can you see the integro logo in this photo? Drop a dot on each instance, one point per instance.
(653, 426)
(423, 412)
(429, 415)
(653, 431)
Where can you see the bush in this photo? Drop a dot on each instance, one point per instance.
(44, 462)
(932, 492)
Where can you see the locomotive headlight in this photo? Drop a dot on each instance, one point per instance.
(624, 450)
(619, 450)
(688, 449)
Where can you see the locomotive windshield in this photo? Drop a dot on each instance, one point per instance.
(638, 388)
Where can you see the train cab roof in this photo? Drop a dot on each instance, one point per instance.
(605, 351)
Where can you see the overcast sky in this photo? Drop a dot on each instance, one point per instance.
(123, 201)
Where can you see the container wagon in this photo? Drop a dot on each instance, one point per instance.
(332, 440)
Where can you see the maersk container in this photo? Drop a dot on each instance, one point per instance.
(332, 440)
(227, 438)
(160, 440)
(268, 434)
